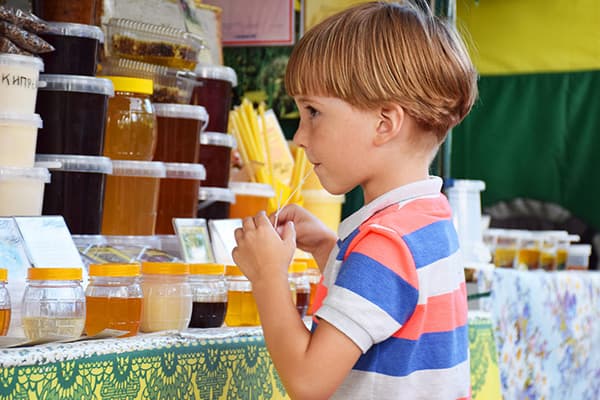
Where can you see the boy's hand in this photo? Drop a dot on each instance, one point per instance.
(312, 235)
(261, 252)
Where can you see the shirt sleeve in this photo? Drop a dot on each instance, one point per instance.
(376, 289)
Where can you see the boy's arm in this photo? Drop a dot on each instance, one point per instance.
(310, 366)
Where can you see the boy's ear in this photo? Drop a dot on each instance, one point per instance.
(391, 118)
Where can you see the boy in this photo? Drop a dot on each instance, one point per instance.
(377, 87)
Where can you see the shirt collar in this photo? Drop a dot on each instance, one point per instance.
(426, 187)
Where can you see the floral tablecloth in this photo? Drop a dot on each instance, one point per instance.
(547, 330)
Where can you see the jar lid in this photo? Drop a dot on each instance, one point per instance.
(116, 270)
(217, 139)
(216, 194)
(20, 119)
(26, 61)
(165, 268)
(77, 30)
(54, 274)
(70, 163)
(148, 169)
(220, 72)
(298, 266)
(465, 184)
(129, 84)
(233, 270)
(3, 274)
(170, 110)
(36, 173)
(185, 171)
(77, 83)
(252, 189)
(207, 269)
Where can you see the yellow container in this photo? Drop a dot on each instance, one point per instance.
(325, 206)
(250, 198)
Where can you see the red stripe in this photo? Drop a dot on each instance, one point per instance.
(320, 295)
(442, 313)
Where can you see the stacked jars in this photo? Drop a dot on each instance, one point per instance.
(113, 299)
(209, 291)
(53, 303)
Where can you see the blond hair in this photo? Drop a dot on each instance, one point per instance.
(376, 53)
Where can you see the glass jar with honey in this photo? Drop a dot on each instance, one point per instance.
(299, 280)
(209, 291)
(53, 303)
(113, 299)
(5, 310)
(241, 307)
(167, 301)
(131, 129)
(313, 275)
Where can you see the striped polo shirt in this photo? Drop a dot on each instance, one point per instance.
(395, 286)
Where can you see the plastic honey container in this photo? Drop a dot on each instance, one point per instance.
(113, 299)
(131, 197)
(301, 284)
(179, 128)
(215, 155)
(73, 109)
(214, 202)
(19, 83)
(213, 90)
(18, 136)
(325, 206)
(22, 191)
(81, 11)
(209, 291)
(77, 190)
(53, 303)
(178, 196)
(250, 198)
(167, 297)
(578, 257)
(5, 309)
(313, 275)
(130, 122)
(241, 307)
(76, 48)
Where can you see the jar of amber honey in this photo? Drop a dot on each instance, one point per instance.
(241, 307)
(113, 299)
(300, 284)
(4, 303)
(209, 291)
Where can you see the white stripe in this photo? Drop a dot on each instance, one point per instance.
(357, 317)
(441, 384)
(441, 277)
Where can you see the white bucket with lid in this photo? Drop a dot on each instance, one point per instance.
(19, 77)
(18, 136)
(22, 191)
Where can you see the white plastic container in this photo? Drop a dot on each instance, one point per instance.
(22, 191)
(465, 199)
(578, 257)
(18, 136)
(19, 77)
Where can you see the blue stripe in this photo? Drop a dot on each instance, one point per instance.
(432, 242)
(343, 245)
(401, 357)
(378, 284)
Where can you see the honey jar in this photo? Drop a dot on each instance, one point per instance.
(5, 310)
(209, 291)
(241, 307)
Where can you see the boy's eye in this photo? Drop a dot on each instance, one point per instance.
(312, 111)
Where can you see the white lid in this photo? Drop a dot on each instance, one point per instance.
(78, 83)
(252, 189)
(216, 194)
(168, 110)
(220, 72)
(580, 249)
(11, 173)
(465, 184)
(149, 169)
(20, 119)
(74, 163)
(185, 171)
(217, 139)
(322, 195)
(26, 61)
(77, 30)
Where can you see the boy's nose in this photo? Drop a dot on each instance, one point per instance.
(298, 138)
